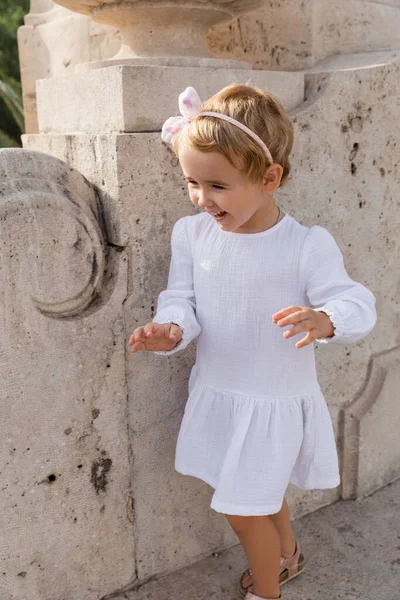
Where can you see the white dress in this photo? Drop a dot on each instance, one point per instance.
(256, 418)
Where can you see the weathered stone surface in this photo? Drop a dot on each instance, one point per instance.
(51, 43)
(174, 29)
(65, 456)
(371, 424)
(293, 35)
(129, 99)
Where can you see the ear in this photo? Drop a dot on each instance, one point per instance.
(272, 178)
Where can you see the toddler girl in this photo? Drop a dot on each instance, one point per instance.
(241, 270)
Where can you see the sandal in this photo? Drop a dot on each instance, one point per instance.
(291, 567)
(251, 596)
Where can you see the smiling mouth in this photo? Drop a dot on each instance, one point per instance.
(219, 215)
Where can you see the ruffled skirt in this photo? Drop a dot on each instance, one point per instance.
(249, 449)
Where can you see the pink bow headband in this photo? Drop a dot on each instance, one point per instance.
(190, 107)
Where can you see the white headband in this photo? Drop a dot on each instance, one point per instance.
(190, 107)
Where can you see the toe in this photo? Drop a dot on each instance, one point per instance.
(247, 580)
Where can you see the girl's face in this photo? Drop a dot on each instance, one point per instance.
(225, 192)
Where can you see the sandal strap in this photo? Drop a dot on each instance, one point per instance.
(288, 563)
(251, 596)
(291, 563)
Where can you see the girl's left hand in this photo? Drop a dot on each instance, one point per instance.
(316, 323)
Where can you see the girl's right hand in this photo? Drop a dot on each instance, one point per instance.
(155, 337)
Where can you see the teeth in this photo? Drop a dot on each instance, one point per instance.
(220, 214)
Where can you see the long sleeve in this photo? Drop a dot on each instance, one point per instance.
(177, 304)
(349, 304)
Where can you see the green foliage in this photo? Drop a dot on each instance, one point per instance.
(6, 141)
(13, 102)
(11, 115)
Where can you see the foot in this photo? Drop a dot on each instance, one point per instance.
(251, 596)
(247, 577)
(290, 568)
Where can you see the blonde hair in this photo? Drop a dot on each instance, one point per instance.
(261, 112)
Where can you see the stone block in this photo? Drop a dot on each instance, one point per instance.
(293, 35)
(51, 43)
(370, 429)
(65, 454)
(133, 99)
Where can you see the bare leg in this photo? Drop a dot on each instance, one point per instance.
(281, 520)
(260, 541)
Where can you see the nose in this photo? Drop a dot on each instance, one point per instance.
(202, 200)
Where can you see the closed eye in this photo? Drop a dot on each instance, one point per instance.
(218, 187)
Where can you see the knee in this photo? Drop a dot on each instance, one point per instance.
(239, 523)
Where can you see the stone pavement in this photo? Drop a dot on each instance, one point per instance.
(352, 549)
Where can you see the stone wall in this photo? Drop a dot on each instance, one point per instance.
(295, 35)
(65, 457)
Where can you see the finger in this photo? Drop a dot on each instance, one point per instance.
(138, 346)
(149, 330)
(140, 337)
(306, 340)
(302, 326)
(285, 312)
(160, 330)
(130, 341)
(175, 332)
(135, 336)
(293, 318)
